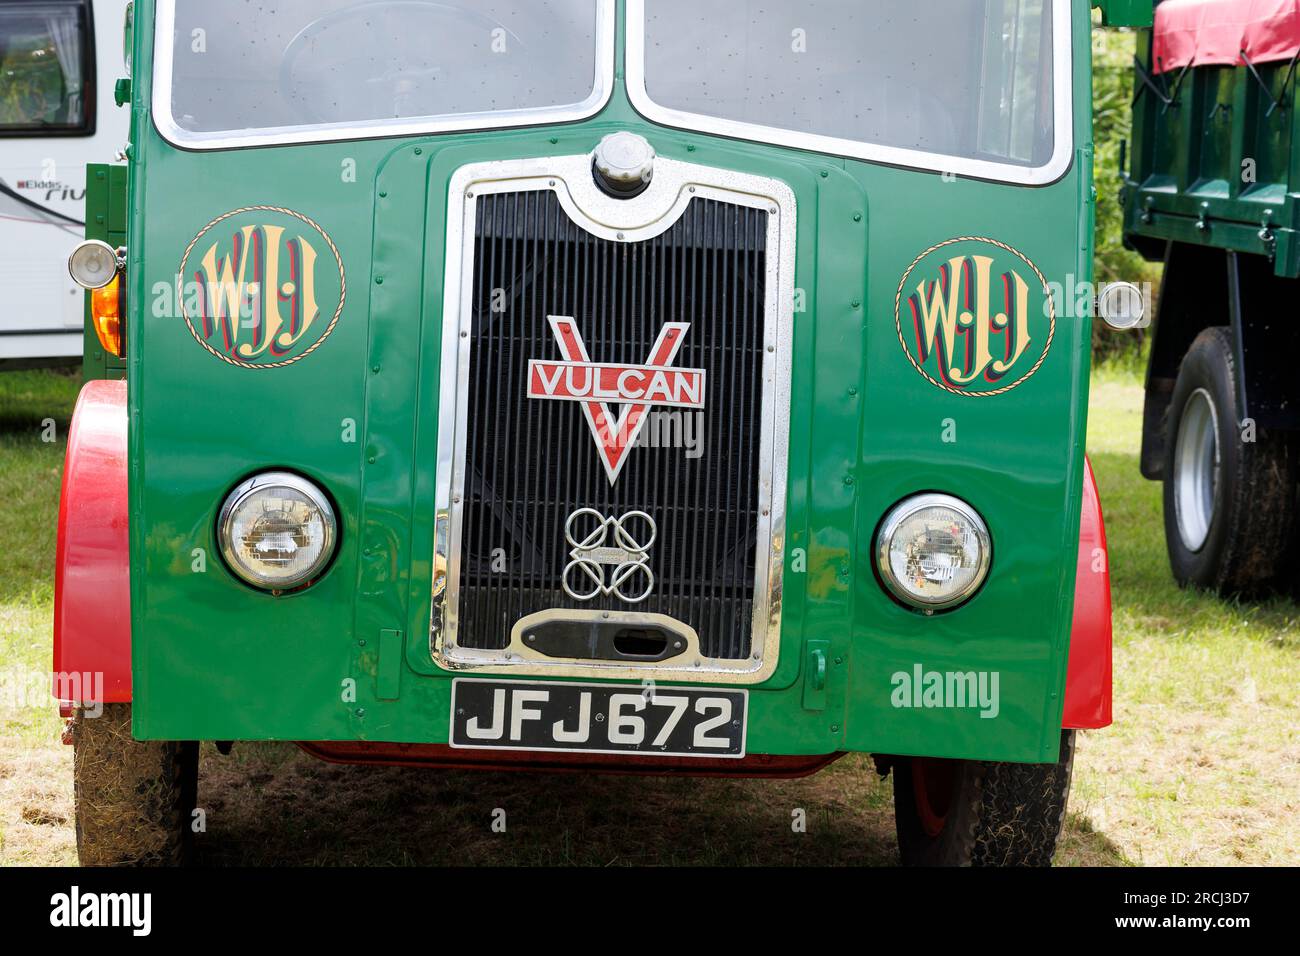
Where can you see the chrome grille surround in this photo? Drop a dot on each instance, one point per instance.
(644, 217)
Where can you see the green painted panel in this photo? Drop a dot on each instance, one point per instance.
(1126, 13)
(1212, 161)
(388, 679)
(105, 220)
(214, 659)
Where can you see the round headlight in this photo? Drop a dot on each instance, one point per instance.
(277, 531)
(93, 264)
(933, 551)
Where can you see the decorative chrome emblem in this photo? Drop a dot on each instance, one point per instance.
(599, 542)
(637, 388)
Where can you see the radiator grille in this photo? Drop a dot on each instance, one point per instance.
(530, 464)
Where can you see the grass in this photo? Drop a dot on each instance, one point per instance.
(35, 770)
(1199, 768)
(1201, 763)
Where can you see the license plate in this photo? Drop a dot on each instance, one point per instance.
(598, 718)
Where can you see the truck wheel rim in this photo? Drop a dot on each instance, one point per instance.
(932, 786)
(1196, 469)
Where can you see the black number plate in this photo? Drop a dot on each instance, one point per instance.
(598, 718)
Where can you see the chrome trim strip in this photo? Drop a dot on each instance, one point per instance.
(1063, 83)
(650, 214)
(164, 27)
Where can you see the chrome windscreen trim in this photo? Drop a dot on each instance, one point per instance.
(161, 102)
(1054, 169)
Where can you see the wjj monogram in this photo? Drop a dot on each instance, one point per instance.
(972, 311)
(271, 287)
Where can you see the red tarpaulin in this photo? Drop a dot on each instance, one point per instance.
(1214, 32)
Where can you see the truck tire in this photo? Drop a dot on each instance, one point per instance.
(1229, 503)
(134, 799)
(976, 813)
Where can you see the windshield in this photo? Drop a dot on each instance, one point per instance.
(971, 79)
(232, 66)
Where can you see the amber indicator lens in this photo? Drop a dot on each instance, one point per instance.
(106, 316)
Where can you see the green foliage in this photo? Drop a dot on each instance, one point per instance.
(31, 84)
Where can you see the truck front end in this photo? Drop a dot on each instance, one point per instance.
(672, 387)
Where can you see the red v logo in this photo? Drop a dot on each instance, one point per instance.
(637, 388)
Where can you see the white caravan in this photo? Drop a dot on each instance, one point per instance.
(59, 60)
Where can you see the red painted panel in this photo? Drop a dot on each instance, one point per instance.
(1088, 679)
(92, 573)
(443, 757)
(1216, 32)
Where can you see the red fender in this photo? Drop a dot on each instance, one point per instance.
(1088, 678)
(92, 571)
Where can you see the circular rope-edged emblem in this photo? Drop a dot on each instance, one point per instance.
(988, 312)
(263, 289)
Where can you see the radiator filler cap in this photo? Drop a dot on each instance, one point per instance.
(624, 164)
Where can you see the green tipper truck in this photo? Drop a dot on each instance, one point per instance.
(1212, 191)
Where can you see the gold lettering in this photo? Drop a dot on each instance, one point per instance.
(978, 323)
(961, 335)
(939, 317)
(1020, 317)
(224, 292)
(268, 294)
(303, 296)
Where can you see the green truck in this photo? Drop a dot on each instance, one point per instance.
(580, 385)
(1211, 191)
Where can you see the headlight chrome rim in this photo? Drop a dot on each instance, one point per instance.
(76, 259)
(259, 483)
(906, 509)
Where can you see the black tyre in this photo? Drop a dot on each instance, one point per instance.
(1229, 489)
(974, 813)
(134, 799)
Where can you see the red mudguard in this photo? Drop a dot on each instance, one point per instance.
(1087, 681)
(92, 573)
